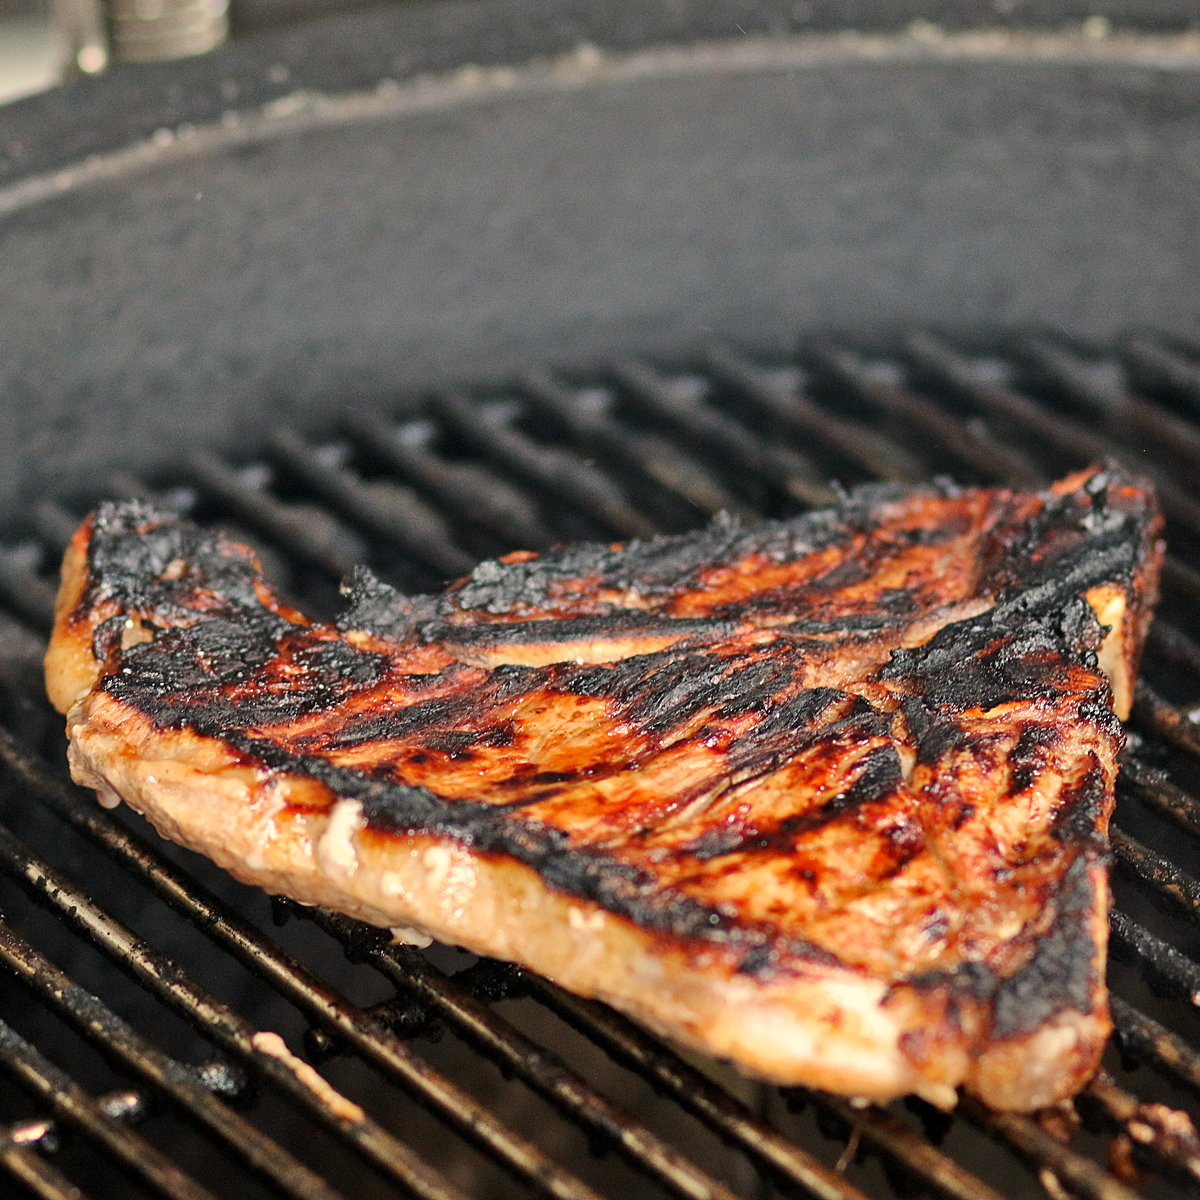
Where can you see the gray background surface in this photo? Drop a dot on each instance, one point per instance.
(362, 257)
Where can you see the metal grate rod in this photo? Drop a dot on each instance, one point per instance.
(651, 458)
(355, 1028)
(103, 1027)
(786, 406)
(561, 472)
(970, 445)
(1152, 1129)
(1072, 1170)
(388, 511)
(1164, 721)
(165, 979)
(127, 1104)
(73, 1106)
(654, 1061)
(1166, 878)
(55, 525)
(1138, 1032)
(894, 1140)
(306, 531)
(1099, 389)
(40, 1177)
(1164, 367)
(1141, 1035)
(1009, 408)
(1069, 437)
(1173, 644)
(1181, 577)
(703, 427)
(31, 598)
(541, 1070)
(1167, 963)
(1159, 793)
(466, 489)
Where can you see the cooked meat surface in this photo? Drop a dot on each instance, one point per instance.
(827, 797)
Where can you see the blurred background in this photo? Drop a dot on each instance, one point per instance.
(43, 42)
(31, 53)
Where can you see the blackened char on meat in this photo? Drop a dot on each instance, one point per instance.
(849, 773)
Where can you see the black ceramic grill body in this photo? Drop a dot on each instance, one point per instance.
(352, 209)
(427, 284)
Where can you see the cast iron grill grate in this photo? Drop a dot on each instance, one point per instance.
(179, 1083)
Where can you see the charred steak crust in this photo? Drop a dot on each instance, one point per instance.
(865, 754)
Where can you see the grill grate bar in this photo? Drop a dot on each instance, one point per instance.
(705, 428)
(970, 445)
(1076, 443)
(55, 525)
(653, 1060)
(1069, 437)
(389, 511)
(1165, 368)
(1151, 787)
(896, 1141)
(561, 472)
(1166, 878)
(292, 527)
(1167, 963)
(976, 450)
(1174, 645)
(1094, 386)
(786, 406)
(1142, 1036)
(349, 1023)
(73, 1106)
(1155, 716)
(652, 459)
(1069, 1169)
(1125, 415)
(1008, 408)
(40, 1177)
(961, 440)
(467, 490)
(1150, 1129)
(128, 1104)
(303, 530)
(887, 1135)
(31, 598)
(540, 1069)
(1181, 577)
(165, 979)
(104, 1028)
(1078, 1173)
(124, 485)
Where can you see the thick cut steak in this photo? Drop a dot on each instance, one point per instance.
(827, 797)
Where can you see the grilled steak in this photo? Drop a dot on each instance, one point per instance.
(827, 797)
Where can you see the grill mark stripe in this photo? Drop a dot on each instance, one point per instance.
(393, 807)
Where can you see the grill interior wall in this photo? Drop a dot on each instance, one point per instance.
(421, 491)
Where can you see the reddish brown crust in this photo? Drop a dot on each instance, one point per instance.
(799, 819)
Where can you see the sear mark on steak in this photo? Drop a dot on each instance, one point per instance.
(828, 797)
